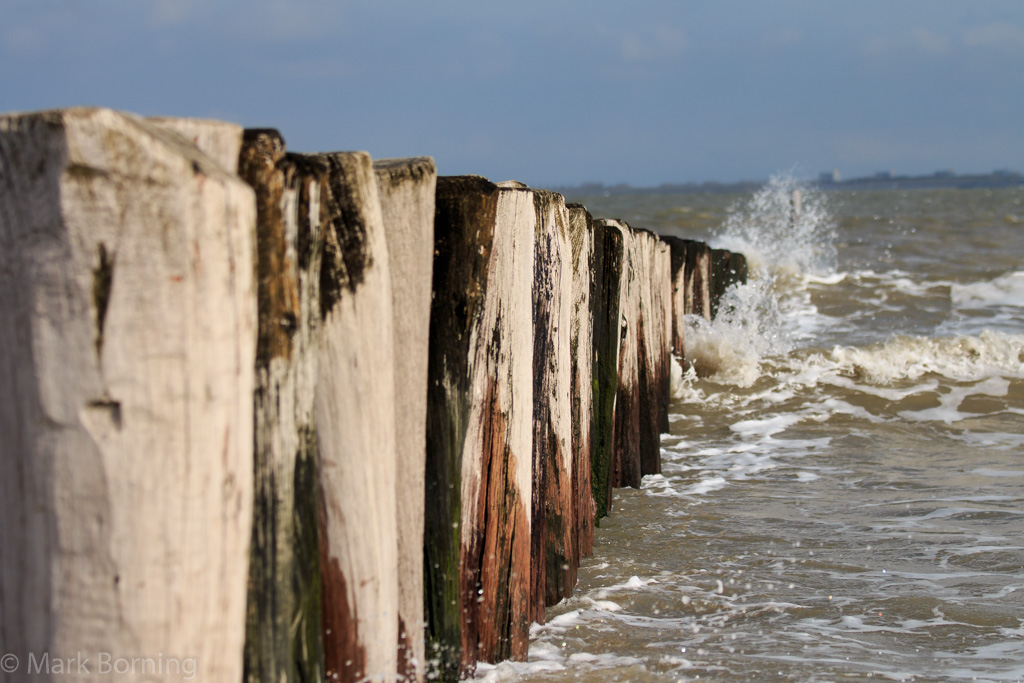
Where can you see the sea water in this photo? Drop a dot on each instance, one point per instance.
(842, 493)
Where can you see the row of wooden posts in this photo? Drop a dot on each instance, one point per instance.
(305, 417)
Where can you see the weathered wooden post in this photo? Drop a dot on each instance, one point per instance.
(738, 269)
(698, 279)
(581, 236)
(661, 305)
(720, 278)
(626, 436)
(727, 269)
(479, 426)
(126, 356)
(406, 188)
(284, 640)
(219, 140)
(677, 249)
(552, 401)
(355, 417)
(649, 338)
(605, 301)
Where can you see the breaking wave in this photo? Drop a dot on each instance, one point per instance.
(787, 234)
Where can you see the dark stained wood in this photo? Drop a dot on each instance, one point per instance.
(581, 235)
(479, 427)
(283, 623)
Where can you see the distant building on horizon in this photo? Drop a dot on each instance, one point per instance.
(829, 177)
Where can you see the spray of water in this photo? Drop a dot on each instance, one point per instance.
(786, 232)
(748, 327)
(782, 228)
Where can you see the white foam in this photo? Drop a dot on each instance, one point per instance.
(887, 393)
(605, 660)
(605, 605)
(515, 671)
(564, 620)
(1006, 290)
(962, 358)
(634, 583)
(825, 279)
(746, 329)
(949, 404)
(768, 314)
(677, 379)
(767, 426)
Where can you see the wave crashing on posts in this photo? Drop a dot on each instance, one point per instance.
(787, 234)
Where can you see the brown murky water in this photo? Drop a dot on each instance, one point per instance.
(843, 484)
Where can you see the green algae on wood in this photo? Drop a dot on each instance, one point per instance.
(477, 538)
(284, 639)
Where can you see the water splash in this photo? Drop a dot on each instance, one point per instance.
(787, 234)
(779, 235)
(748, 327)
(963, 358)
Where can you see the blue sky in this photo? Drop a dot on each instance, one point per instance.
(555, 92)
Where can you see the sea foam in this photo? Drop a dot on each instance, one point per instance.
(786, 248)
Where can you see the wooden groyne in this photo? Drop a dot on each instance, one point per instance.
(310, 417)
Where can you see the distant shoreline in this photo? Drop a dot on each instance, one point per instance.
(879, 181)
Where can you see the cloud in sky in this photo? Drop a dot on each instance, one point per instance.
(650, 92)
(917, 40)
(1001, 36)
(659, 42)
(166, 13)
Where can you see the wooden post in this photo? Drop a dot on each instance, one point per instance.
(129, 333)
(649, 339)
(738, 268)
(552, 400)
(727, 269)
(284, 639)
(406, 188)
(677, 249)
(219, 140)
(626, 436)
(605, 299)
(698, 279)
(661, 307)
(479, 426)
(581, 235)
(355, 416)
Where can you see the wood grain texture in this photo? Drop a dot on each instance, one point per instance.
(605, 293)
(647, 319)
(219, 140)
(406, 188)
(479, 426)
(552, 403)
(648, 316)
(691, 287)
(677, 278)
(127, 293)
(355, 417)
(661, 336)
(581, 236)
(284, 640)
(627, 431)
(698, 279)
